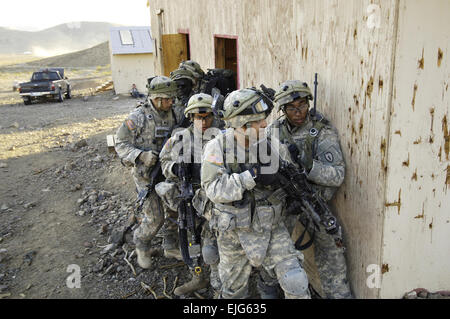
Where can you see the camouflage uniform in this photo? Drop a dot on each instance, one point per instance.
(196, 71)
(319, 150)
(144, 130)
(169, 190)
(181, 101)
(248, 216)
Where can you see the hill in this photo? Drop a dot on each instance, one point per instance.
(63, 38)
(95, 56)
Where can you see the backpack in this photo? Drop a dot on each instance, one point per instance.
(223, 79)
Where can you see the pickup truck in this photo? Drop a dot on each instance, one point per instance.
(45, 84)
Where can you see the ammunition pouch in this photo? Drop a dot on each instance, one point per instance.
(199, 202)
(162, 131)
(227, 217)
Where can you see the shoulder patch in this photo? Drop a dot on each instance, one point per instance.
(329, 157)
(214, 159)
(130, 124)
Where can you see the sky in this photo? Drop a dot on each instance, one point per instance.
(35, 15)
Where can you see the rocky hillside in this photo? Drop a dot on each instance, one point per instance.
(95, 56)
(62, 38)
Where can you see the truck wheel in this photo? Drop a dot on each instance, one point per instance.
(68, 93)
(27, 101)
(60, 96)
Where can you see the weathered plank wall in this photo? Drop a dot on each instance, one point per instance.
(353, 60)
(352, 45)
(416, 232)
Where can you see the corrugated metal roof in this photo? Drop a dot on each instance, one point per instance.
(139, 39)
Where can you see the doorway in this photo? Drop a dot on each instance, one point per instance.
(185, 32)
(226, 54)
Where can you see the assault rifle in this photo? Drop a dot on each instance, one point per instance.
(269, 92)
(298, 189)
(190, 249)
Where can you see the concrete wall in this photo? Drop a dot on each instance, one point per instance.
(364, 52)
(127, 69)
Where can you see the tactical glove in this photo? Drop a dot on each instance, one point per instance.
(149, 158)
(306, 163)
(176, 169)
(264, 179)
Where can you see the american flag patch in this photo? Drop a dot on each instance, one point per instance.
(130, 125)
(214, 159)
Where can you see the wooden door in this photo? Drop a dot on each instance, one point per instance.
(226, 55)
(174, 50)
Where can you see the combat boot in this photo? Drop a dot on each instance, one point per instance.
(173, 253)
(144, 258)
(170, 246)
(197, 282)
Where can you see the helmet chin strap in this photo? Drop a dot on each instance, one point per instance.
(159, 104)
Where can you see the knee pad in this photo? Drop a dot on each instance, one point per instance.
(292, 277)
(295, 282)
(210, 254)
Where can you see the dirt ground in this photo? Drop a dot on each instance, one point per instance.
(65, 200)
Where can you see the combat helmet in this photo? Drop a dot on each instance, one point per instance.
(199, 103)
(242, 106)
(182, 73)
(161, 86)
(291, 90)
(194, 67)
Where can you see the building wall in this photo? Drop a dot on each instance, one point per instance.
(127, 69)
(356, 47)
(416, 245)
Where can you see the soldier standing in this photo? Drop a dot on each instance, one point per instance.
(314, 144)
(192, 141)
(185, 81)
(139, 141)
(196, 70)
(247, 208)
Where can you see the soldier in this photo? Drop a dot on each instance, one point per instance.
(139, 141)
(196, 71)
(247, 209)
(189, 78)
(185, 81)
(314, 143)
(199, 112)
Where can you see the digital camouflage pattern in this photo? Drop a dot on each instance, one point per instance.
(194, 67)
(326, 159)
(170, 189)
(291, 90)
(330, 261)
(244, 241)
(183, 73)
(326, 175)
(163, 87)
(181, 99)
(142, 131)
